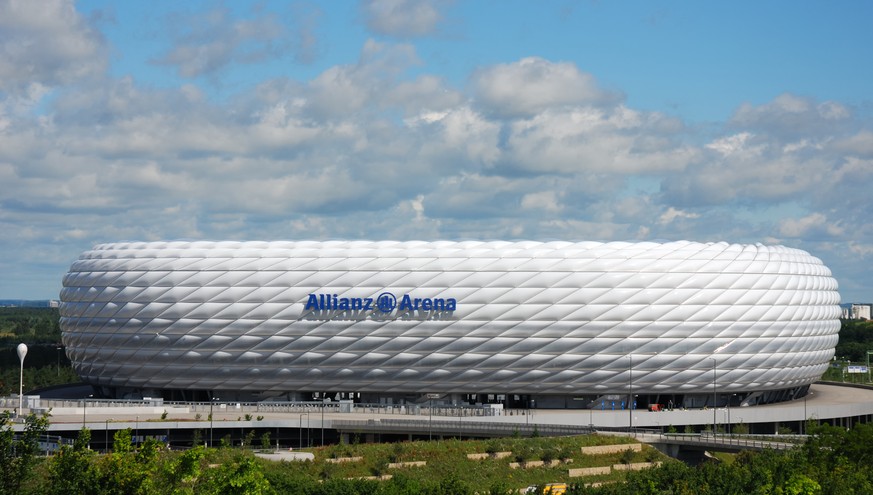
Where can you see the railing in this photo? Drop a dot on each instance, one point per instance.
(759, 442)
(296, 407)
(421, 426)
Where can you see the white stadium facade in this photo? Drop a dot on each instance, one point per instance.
(553, 324)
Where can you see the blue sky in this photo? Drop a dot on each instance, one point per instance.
(741, 122)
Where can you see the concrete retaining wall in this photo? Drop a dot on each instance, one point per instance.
(635, 466)
(495, 455)
(612, 449)
(339, 460)
(590, 471)
(407, 464)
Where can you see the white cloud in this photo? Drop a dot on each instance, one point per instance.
(672, 214)
(813, 225)
(208, 42)
(860, 143)
(861, 249)
(403, 18)
(586, 139)
(533, 85)
(46, 44)
(542, 200)
(730, 144)
(790, 115)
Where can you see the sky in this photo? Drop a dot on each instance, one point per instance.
(746, 122)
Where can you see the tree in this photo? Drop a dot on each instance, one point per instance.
(183, 472)
(17, 456)
(125, 472)
(265, 440)
(72, 469)
(239, 476)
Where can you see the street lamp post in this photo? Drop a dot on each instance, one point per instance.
(460, 416)
(85, 408)
(805, 416)
(300, 429)
(729, 413)
(59, 360)
(211, 419)
(714, 398)
(22, 351)
(630, 395)
(323, 405)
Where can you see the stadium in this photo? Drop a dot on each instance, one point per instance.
(542, 324)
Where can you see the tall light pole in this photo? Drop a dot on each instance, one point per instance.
(211, 403)
(22, 351)
(323, 402)
(630, 395)
(300, 429)
(729, 413)
(714, 398)
(85, 408)
(805, 417)
(59, 360)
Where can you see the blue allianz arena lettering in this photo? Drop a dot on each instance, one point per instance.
(325, 306)
(321, 302)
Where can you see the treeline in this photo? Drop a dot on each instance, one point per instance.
(29, 325)
(46, 363)
(856, 338)
(35, 378)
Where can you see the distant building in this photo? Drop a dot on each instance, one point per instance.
(26, 303)
(857, 312)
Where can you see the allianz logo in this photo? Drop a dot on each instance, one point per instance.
(385, 306)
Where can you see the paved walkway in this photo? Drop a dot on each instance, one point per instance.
(825, 402)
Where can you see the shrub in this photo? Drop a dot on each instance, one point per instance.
(523, 453)
(492, 446)
(379, 468)
(548, 455)
(396, 453)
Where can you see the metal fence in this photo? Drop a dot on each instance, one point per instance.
(459, 427)
(756, 442)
